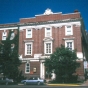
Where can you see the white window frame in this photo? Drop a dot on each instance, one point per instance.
(4, 35)
(26, 68)
(69, 41)
(45, 47)
(67, 29)
(28, 33)
(46, 32)
(26, 48)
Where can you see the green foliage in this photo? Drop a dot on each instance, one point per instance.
(9, 60)
(63, 63)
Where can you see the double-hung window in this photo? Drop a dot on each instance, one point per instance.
(48, 48)
(69, 44)
(68, 30)
(48, 32)
(27, 68)
(4, 34)
(28, 48)
(28, 33)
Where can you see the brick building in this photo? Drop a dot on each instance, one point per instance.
(40, 35)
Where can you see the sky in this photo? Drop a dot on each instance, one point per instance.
(12, 10)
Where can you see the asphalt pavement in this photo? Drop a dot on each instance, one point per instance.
(30, 86)
(83, 85)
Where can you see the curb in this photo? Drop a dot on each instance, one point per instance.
(58, 84)
(63, 84)
(20, 84)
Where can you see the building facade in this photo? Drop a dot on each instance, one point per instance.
(39, 36)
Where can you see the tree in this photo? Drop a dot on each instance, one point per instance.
(10, 57)
(1, 55)
(63, 63)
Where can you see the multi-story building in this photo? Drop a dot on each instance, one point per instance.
(39, 36)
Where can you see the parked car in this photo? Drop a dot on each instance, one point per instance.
(6, 81)
(33, 80)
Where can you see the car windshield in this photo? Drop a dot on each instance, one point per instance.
(30, 78)
(34, 78)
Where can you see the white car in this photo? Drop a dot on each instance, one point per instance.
(33, 80)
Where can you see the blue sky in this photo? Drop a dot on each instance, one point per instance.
(12, 10)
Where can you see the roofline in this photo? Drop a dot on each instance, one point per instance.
(27, 18)
(72, 13)
(37, 23)
(49, 14)
(9, 23)
(50, 22)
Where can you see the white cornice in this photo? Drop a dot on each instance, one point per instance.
(72, 38)
(29, 59)
(28, 41)
(50, 25)
(72, 13)
(48, 39)
(77, 25)
(8, 28)
(27, 18)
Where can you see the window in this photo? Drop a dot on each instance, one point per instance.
(4, 34)
(28, 48)
(28, 33)
(48, 32)
(27, 68)
(48, 48)
(12, 36)
(68, 30)
(69, 44)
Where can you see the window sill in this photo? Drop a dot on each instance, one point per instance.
(69, 35)
(27, 72)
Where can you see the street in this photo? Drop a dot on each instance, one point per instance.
(41, 86)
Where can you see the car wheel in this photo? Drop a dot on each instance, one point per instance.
(25, 83)
(38, 83)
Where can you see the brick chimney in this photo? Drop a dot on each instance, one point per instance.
(75, 11)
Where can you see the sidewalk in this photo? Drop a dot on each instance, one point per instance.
(85, 83)
(63, 84)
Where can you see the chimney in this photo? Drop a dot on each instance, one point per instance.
(75, 11)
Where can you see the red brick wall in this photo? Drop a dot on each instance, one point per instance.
(78, 42)
(80, 70)
(51, 17)
(39, 34)
(57, 34)
(32, 65)
(1, 34)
